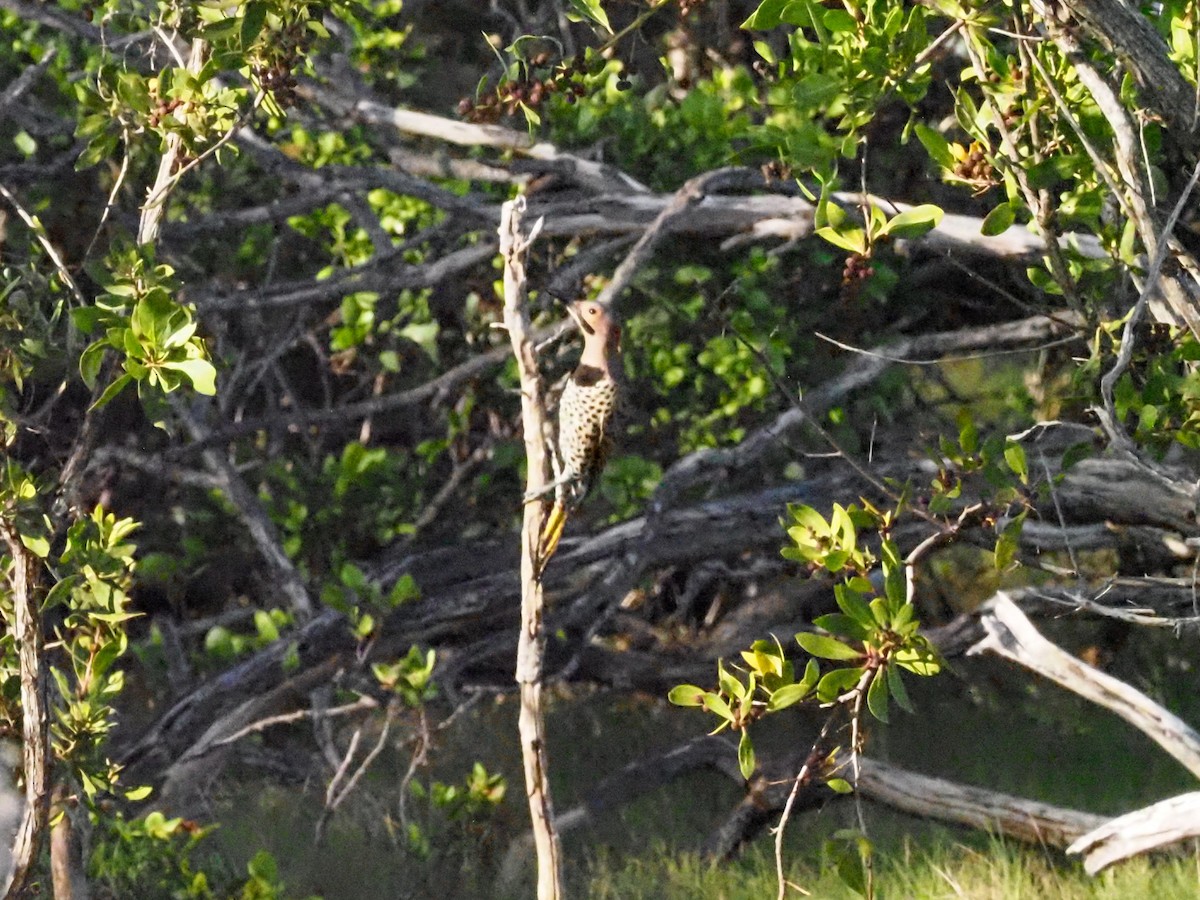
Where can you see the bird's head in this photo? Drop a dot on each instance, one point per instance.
(597, 324)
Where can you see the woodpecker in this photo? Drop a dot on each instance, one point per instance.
(585, 418)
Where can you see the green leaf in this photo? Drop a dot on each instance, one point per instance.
(840, 785)
(767, 16)
(812, 673)
(714, 704)
(1014, 455)
(898, 690)
(138, 793)
(36, 544)
(265, 626)
(832, 684)
(1008, 542)
(968, 436)
(788, 695)
(25, 143)
(914, 222)
(918, 659)
(730, 684)
(816, 91)
(263, 867)
(404, 590)
(200, 372)
(746, 756)
(844, 626)
(850, 601)
(877, 697)
(935, 145)
(837, 20)
(852, 239)
(90, 362)
(764, 50)
(999, 220)
(826, 647)
(112, 390)
(593, 11)
(687, 695)
(253, 19)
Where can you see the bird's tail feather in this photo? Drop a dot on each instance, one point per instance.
(551, 535)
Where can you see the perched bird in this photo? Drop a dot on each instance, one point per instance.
(585, 419)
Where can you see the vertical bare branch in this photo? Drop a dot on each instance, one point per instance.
(156, 204)
(26, 626)
(532, 642)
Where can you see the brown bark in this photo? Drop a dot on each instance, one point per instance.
(26, 626)
(67, 871)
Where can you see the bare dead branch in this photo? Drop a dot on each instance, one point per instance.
(531, 646)
(25, 80)
(256, 521)
(1010, 634)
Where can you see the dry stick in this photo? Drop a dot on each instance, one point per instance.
(692, 192)
(799, 780)
(39, 234)
(333, 796)
(1109, 381)
(532, 642)
(35, 716)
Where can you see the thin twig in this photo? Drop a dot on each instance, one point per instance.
(363, 703)
(39, 234)
(779, 829)
(937, 361)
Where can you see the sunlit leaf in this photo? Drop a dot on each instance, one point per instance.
(826, 647)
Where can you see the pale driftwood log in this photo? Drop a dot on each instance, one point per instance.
(1154, 827)
(531, 644)
(947, 801)
(1010, 634)
(889, 785)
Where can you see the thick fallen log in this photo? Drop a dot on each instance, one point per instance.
(1152, 828)
(878, 781)
(975, 807)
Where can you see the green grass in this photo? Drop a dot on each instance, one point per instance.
(950, 871)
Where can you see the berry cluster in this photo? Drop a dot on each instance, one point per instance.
(277, 59)
(161, 110)
(975, 167)
(277, 79)
(858, 268)
(539, 79)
